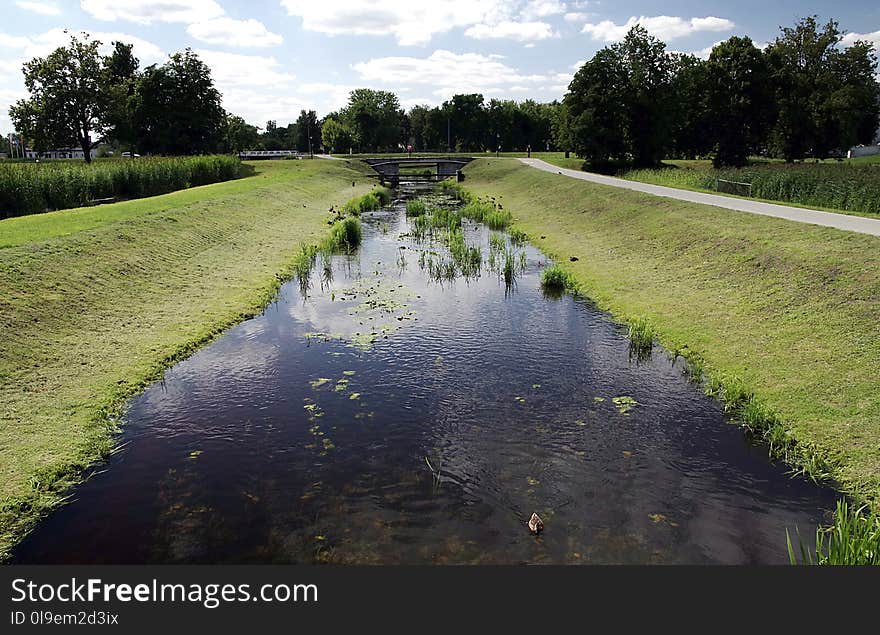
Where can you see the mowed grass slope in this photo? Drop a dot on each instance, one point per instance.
(94, 303)
(789, 309)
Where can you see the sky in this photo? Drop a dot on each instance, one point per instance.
(272, 58)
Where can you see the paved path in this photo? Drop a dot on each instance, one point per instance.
(858, 224)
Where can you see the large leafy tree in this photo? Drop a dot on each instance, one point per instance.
(690, 124)
(69, 99)
(597, 124)
(308, 131)
(620, 105)
(375, 118)
(240, 135)
(120, 83)
(336, 135)
(826, 96)
(738, 94)
(177, 109)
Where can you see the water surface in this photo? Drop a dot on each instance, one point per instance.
(381, 416)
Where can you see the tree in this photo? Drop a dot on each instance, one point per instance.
(177, 109)
(826, 97)
(374, 117)
(738, 95)
(68, 103)
(120, 83)
(308, 131)
(467, 122)
(240, 135)
(690, 125)
(620, 102)
(336, 135)
(597, 125)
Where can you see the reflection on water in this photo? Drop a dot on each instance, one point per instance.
(388, 416)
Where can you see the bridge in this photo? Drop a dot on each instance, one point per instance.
(251, 155)
(430, 169)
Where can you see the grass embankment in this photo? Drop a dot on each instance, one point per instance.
(781, 317)
(32, 188)
(95, 303)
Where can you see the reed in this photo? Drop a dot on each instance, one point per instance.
(853, 538)
(32, 188)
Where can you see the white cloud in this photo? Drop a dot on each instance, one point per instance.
(43, 8)
(519, 31)
(664, 27)
(231, 70)
(576, 16)
(542, 8)
(41, 45)
(851, 38)
(448, 73)
(410, 22)
(413, 22)
(234, 32)
(149, 11)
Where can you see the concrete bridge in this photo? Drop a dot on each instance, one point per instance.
(430, 169)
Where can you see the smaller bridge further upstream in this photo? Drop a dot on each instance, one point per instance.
(431, 169)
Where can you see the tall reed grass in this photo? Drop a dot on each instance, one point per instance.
(32, 188)
(848, 187)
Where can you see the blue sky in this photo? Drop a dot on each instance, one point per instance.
(271, 58)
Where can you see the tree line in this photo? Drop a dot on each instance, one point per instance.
(633, 103)
(804, 95)
(79, 98)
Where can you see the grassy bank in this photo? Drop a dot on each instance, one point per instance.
(781, 317)
(95, 303)
(32, 188)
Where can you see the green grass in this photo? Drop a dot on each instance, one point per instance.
(95, 304)
(416, 207)
(641, 336)
(31, 188)
(780, 317)
(853, 538)
(556, 279)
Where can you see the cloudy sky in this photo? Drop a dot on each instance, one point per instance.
(271, 58)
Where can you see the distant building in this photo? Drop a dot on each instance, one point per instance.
(61, 153)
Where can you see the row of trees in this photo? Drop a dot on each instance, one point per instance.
(803, 96)
(632, 103)
(79, 97)
(374, 121)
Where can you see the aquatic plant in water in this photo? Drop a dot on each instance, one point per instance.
(853, 538)
(554, 278)
(641, 337)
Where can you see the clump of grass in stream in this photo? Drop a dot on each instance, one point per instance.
(496, 242)
(416, 207)
(555, 279)
(444, 218)
(456, 191)
(369, 202)
(467, 258)
(345, 234)
(509, 271)
(641, 337)
(517, 236)
(853, 538)
(493, 215)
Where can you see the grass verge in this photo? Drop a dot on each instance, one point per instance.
(96, 303)
(779, 318)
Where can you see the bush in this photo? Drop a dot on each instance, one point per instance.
(32, 188)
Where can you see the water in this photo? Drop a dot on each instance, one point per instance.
(316, 433)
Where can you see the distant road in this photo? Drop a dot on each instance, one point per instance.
(858, 224)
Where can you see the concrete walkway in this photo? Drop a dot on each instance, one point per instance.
(828, 219)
